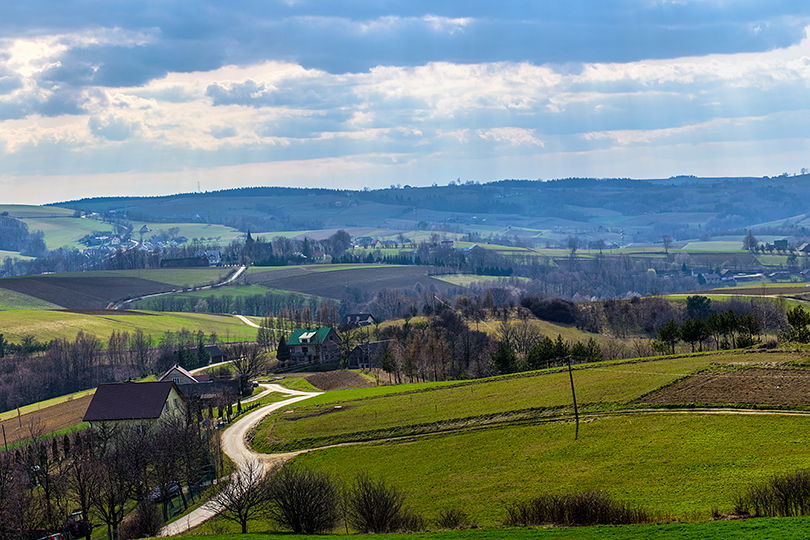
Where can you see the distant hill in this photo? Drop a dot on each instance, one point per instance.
(639, 210)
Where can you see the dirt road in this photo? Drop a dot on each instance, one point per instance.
(235, 447)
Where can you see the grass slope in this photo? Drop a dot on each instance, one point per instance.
(681, 465)
(771, 528)
(14, 300)
(47, 325)
(363, 415)
(65, 231)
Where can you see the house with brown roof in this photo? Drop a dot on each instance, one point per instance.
(135, 403)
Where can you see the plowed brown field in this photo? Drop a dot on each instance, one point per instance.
(341, 283)
(47, 420)
(82, 293)
(761, 386)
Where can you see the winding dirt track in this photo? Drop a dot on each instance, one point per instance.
(235, 447)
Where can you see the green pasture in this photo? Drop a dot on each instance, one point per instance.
(14, 255)
(46, 325)
(200, 231)
(674, 465)
(740, 529)
(28, 211)
(772, 260)
(14, 300)
(465, 280)
(801, 286)
(786, 302)
(65, 231)
(368, 413)
(236, 291)
(714, 245)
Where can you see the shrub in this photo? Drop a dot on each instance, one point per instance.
(454, 519)
(372, 506)
(303, 501)
(782, 496)
(586, 508)
(145, 521)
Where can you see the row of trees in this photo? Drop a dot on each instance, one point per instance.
(32, 370)
(102, 472)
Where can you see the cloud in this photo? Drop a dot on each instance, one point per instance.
(112, 128)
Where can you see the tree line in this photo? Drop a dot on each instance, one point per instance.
(32, 370)
(102, 472)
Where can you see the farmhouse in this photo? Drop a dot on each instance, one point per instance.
(359, 320)
(314, 345)
(201, 389)
(178, 375)
(135, 403)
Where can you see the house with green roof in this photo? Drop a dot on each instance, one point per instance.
(314, 345)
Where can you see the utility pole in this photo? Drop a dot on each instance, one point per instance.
(574, 396)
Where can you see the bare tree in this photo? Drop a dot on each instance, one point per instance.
(248, 360)
(113, 489)
(243, 497)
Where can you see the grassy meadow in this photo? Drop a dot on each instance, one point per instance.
(674, 465)
(381, 412)
(15, 300)
(46, 324)
(767, 528)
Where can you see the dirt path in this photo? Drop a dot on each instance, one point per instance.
(235, 447)
(118, 304)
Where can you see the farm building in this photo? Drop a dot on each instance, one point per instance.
(314, 345)
(215, 354)
(178, 375)
(367, 355)
(201, 389)
(359, 320)
(135, 403)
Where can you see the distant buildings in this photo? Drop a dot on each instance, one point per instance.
(359, 320)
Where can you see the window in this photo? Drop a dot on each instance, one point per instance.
(176, 380)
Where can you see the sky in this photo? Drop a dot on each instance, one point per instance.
(101, 98)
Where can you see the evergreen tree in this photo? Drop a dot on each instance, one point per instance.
(282, 351)
(504, 358)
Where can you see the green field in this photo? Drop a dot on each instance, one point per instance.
(465, 280)
(479, 445)
(714, 245)
(13, 255)
(365, 414)
(46, 325)
(65, 231)
(26, 211)
(741, 529)
(14, 300)
(200, 231)
(679, 465)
